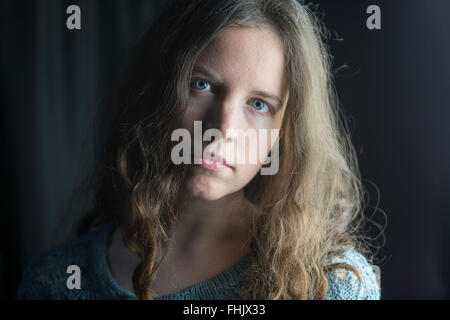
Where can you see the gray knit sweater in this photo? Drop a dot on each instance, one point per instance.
(47, 277)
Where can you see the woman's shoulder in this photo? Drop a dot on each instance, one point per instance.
(344, 284)
(53, 274)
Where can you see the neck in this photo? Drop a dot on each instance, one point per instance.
(208, 225)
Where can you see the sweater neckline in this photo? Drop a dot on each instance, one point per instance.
(206, 289)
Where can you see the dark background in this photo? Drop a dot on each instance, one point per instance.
(393, 83)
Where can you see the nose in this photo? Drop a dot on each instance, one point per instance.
(226, 116)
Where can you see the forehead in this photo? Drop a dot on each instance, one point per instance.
(253, 57)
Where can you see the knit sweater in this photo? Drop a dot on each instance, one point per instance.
(47, 276)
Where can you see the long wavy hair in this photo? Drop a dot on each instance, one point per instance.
(310, 211)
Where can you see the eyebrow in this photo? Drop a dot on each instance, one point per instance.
(216, 79)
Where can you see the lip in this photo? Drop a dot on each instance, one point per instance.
(215, 165)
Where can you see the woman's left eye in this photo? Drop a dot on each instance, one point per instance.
(201, 84)
(260, 106)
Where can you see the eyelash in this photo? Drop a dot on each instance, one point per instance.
(271, 109)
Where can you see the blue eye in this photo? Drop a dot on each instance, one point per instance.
(201, 84)
(260, 105)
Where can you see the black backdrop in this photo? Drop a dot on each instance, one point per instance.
(394, 84)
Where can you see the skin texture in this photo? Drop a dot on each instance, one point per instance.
(213, 230)
(244, 61)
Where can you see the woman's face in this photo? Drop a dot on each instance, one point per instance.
(238, 87)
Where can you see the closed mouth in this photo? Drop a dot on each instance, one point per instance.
(214, 164)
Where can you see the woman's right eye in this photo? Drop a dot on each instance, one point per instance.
(201, 84)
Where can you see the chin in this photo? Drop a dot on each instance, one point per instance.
(208, 188)
(203, 193)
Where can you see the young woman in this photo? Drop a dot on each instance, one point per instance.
(218, 228)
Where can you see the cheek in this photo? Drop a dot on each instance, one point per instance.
(245, 173)
(255, 154)
(266, 139)
(196, 110)
(257, 120)
(267, 129)
(199, 102)
(278, 119)
(275, 129)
